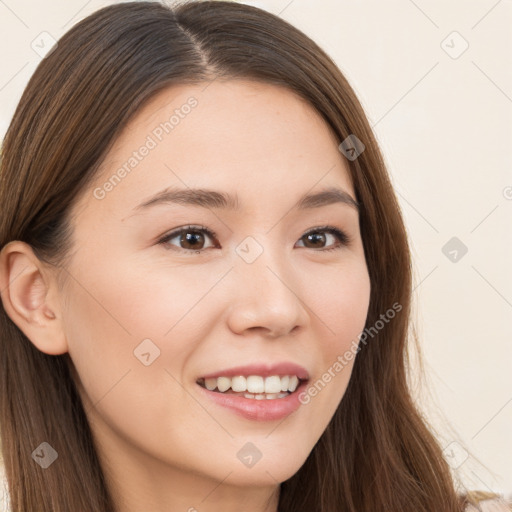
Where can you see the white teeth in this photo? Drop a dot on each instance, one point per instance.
(272, 384)
(223, 383)
(294, 382)
(256, 386)
(268, 397)
(239, 383)
(210, 384)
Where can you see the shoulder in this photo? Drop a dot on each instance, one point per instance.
(479, 501)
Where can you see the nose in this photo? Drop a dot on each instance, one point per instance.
(266, 298)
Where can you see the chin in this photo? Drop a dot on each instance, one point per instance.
(271, 470)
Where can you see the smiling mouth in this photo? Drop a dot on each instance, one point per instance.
(254, 386)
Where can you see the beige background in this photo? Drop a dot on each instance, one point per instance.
(444, 122)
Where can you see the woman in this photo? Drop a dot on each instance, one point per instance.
(205, 279)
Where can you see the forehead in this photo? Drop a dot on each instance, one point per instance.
(250, 138)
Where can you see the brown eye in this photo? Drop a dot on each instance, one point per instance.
(191, 240)
(316, 238)
(188, 239)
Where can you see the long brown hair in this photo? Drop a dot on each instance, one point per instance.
(377, 453)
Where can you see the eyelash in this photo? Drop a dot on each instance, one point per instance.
(343, 239)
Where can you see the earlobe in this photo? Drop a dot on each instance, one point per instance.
(29, 296)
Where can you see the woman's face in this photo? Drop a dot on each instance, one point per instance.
(147, 314)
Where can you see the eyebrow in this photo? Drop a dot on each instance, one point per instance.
(214, 199)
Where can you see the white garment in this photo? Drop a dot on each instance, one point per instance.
(491, 505)
(5, 504)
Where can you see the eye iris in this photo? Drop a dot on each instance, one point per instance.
(315, 237)
(191, 236)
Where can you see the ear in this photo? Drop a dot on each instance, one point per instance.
(30, 297)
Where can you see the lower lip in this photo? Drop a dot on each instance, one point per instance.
(258, 410)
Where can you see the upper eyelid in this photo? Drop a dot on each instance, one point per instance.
(190, 228)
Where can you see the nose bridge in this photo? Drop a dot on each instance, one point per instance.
(265, 291)
(262, 265)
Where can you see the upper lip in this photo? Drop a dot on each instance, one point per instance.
(263, 369)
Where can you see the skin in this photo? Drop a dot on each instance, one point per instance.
(163, 445)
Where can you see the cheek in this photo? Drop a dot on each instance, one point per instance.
(107, 318)
(155, 299)
(123, 303)
(341, 303)
(341, 306)
(120, 311)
